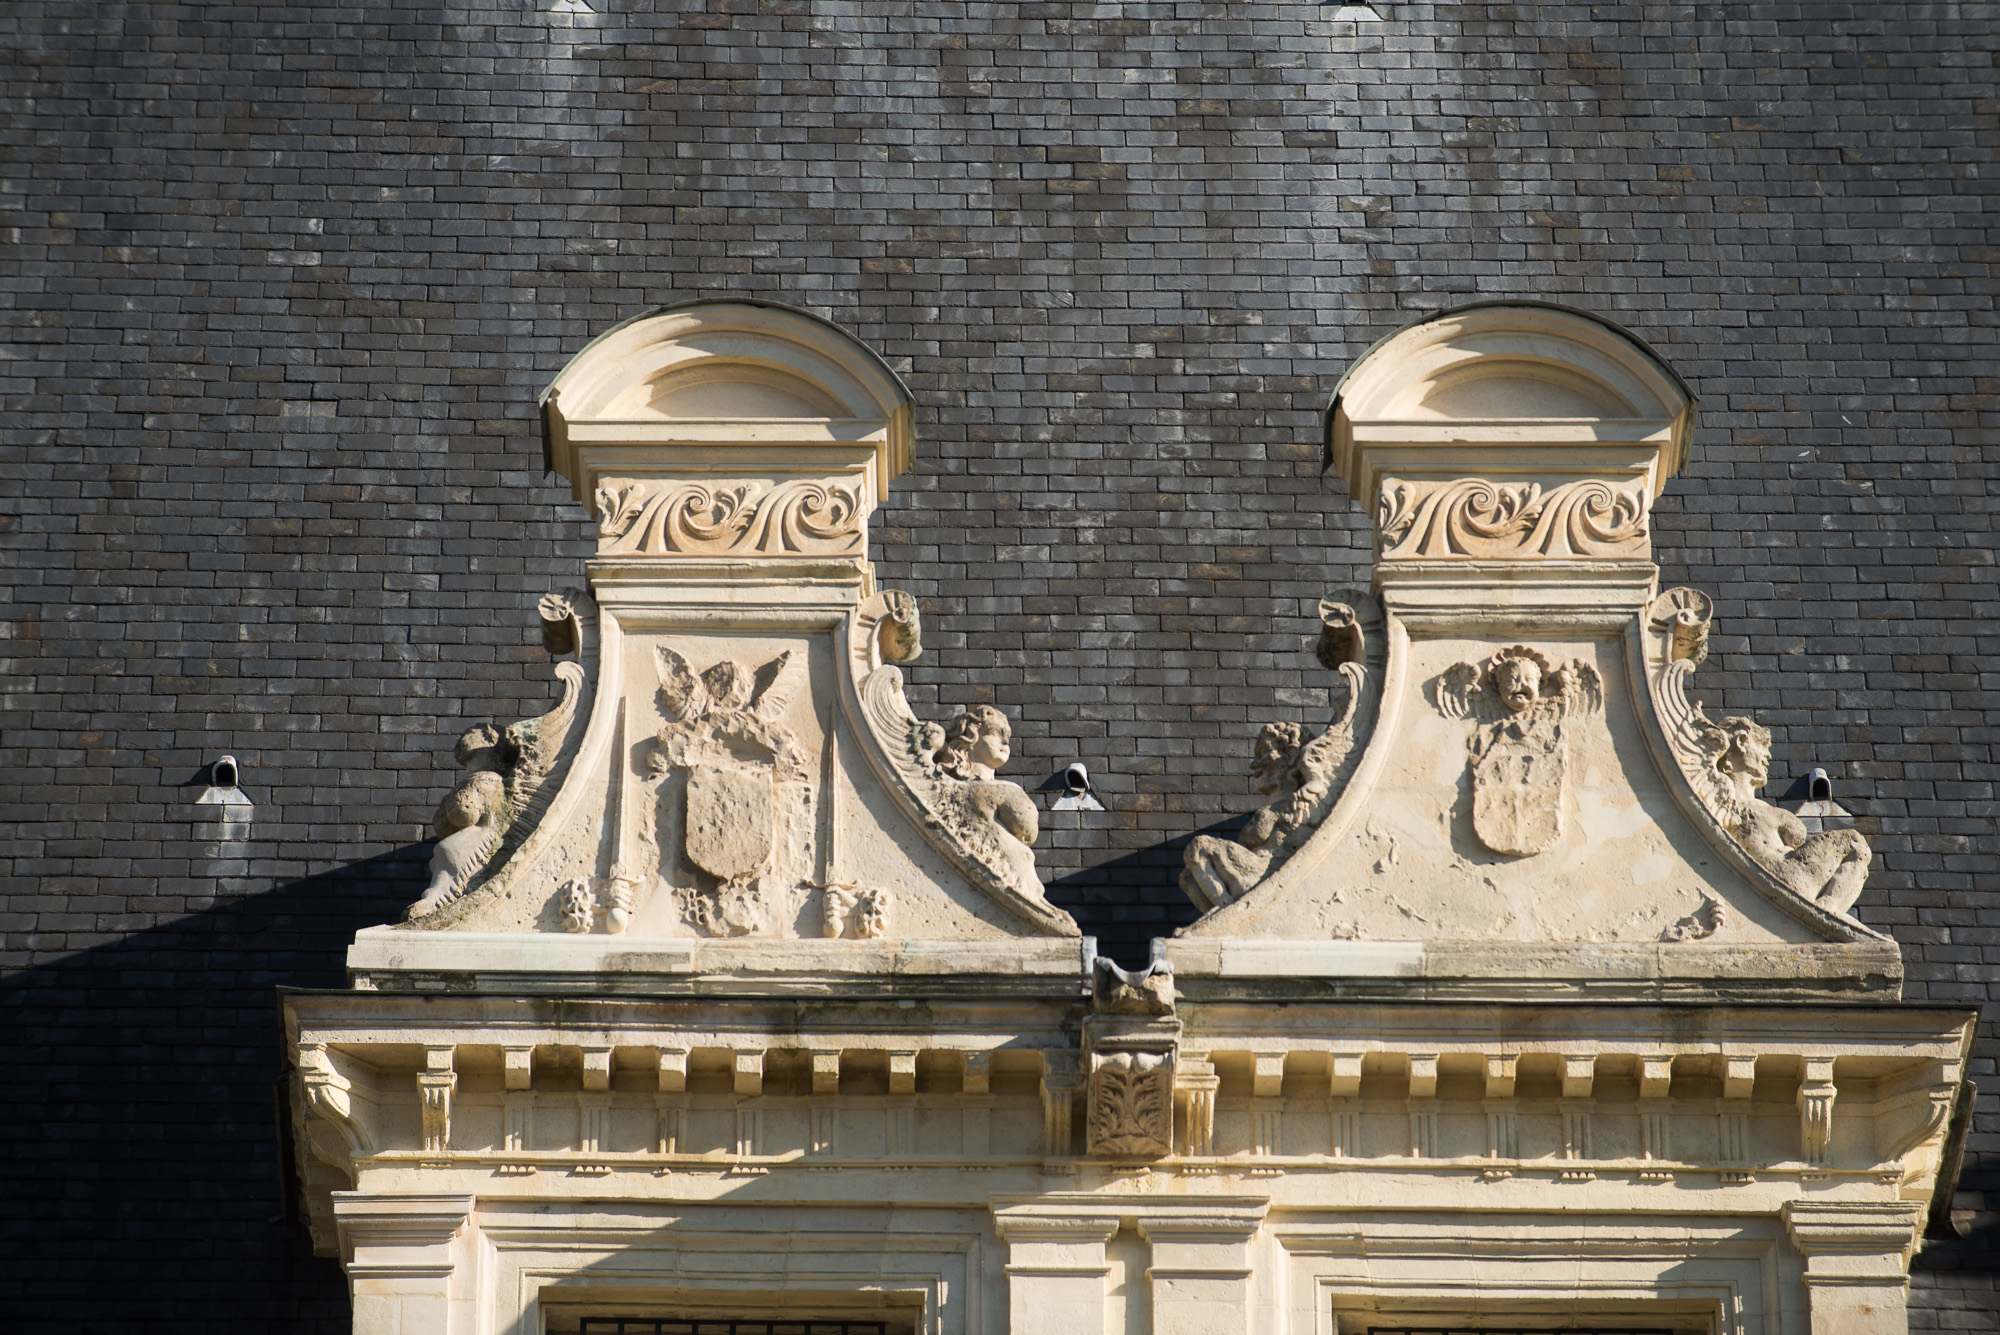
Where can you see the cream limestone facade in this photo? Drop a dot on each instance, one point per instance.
(735, 993)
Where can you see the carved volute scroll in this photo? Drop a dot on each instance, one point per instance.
(1304, 773)
(508, 784)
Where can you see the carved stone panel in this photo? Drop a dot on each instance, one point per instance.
(1520, 758)
(729, 821)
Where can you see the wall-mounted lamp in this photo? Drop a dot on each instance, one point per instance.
(1076, 794)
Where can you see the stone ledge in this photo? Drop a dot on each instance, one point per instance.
(391, 959)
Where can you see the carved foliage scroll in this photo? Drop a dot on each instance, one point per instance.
(794, 518)
(1473, 518)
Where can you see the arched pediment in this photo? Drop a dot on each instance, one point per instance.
(731, 379)
(1594, 399)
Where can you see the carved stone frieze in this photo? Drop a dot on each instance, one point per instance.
(503, 793)
(1727, 762)
(1305, 775)
(745, 791)
(1472, 517)
(1520, 754)
(795, 517)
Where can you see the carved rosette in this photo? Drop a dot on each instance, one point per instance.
(799, 517)
(1477, 519)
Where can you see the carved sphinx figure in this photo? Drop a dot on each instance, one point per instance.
(1727, 762)
(508, 768)
(997, 818)
(1302, 774)
(1828, 868)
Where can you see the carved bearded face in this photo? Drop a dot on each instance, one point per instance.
(1749, 754)
(1519, 682)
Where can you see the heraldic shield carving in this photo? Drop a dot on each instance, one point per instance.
(748, 784)
(1520, 757)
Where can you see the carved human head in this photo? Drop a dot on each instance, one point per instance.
(1517, 679)
(979, 737)
(485, 737)
(1746, 750)
(1277, 744)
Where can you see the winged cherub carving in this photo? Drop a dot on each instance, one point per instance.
(1520, 753)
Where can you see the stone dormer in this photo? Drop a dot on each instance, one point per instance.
(1516, 789)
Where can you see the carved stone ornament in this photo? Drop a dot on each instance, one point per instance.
(1520, 758)
(508, 770)
(1305, 774)
(949, 769)
(1471, 517)
(855, 912)
(796, 517)
(1133, 1040)
(1132, 1105)
(1728, 761)
(746, 790)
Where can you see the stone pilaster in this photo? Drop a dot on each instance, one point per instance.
(408, 1260)
(1056, 1269)
(1201, 1270)
(1857, 1264)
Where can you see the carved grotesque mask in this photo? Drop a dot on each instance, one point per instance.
(1519, 683)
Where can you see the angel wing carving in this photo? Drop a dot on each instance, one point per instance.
(1579, 687)
(1457, 690)
(777, 682)
(681, 691)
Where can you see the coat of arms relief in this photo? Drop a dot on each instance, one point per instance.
(742, 786)
(1519, 753)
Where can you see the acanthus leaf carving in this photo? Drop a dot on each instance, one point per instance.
(796, 517)
(506, 789)
(1519, 753)
(1305, 775)
(1476, 518)
(1132, 1104)
(1727, 761)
